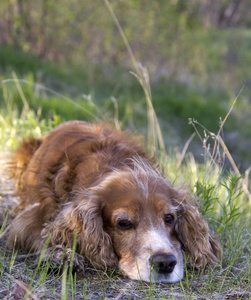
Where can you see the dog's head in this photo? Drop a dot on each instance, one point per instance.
(140, 218)
(135, 219)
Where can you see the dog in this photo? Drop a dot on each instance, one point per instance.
(96, 186)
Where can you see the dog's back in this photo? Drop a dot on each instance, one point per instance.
(45, 161)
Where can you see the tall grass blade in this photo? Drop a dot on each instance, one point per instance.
(155, 138)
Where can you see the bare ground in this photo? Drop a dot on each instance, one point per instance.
(16, 273)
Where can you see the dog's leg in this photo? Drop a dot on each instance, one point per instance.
(25, 229)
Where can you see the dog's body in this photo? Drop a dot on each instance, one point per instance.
(98, 183)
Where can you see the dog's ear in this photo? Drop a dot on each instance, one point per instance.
(83, 217)
(199, 245)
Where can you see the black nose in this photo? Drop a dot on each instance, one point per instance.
(163, 263)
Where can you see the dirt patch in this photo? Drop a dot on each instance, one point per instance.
(8, 198)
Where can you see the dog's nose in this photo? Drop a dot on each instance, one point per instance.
(163, 263)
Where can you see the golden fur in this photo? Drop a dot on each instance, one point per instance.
(96, 183)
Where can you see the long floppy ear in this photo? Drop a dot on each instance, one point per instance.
(83, 217)
(200, 246)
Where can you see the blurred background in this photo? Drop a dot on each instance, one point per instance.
(67, 60)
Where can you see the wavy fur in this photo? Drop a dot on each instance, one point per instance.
(94, 182)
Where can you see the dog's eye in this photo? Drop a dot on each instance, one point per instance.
(124, 224)
(169, 219)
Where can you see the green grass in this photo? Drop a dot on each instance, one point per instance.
(59, 90)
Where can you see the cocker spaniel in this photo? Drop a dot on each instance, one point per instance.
(90, 183)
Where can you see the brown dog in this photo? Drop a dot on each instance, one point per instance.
(97, 183)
